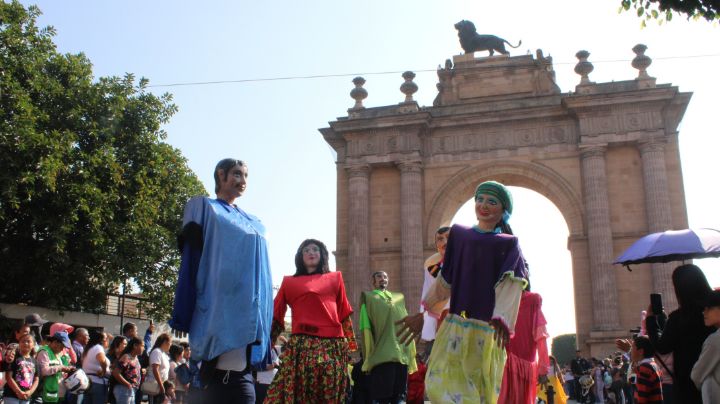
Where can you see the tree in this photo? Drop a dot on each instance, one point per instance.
(90, 195)
(662, 10)
(563, 348)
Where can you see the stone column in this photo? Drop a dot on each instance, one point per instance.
(358, 232)
(411, 233)
(599, 232)
(659, 213)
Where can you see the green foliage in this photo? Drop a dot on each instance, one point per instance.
(663, 10)
(563, 348)
(90, 195)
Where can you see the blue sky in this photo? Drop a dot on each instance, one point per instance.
(273, 124)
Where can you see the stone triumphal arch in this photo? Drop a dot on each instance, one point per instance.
(606, 155)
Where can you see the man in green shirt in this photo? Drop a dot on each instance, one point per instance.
(387, 361)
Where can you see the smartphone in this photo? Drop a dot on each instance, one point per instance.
(656, 303)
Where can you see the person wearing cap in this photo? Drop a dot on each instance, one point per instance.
(483, 276)
(53, 364)
(57, 327)
(35, 322)
(706, 372)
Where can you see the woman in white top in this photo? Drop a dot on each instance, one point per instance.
(159, 366)
(97, 367)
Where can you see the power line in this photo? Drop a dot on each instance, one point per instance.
(322, 76)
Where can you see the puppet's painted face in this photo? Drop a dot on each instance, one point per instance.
(234, 183)
(380, 280)
(488, 211)
(311, 257)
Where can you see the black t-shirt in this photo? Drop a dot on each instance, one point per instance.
(23, 371)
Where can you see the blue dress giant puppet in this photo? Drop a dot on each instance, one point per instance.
(224, 292)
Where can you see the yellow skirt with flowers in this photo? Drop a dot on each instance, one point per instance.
(465, 365)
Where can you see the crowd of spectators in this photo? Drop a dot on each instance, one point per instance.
(671, 358)
(46, 362)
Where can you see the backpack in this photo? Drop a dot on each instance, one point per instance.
(183, 374)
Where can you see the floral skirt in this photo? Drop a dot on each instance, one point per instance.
(466, 365)
(312, 370)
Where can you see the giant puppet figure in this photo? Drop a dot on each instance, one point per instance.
(224, 292)
(386, 359)
(483, 275)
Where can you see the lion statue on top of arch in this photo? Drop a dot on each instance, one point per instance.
(471, 41)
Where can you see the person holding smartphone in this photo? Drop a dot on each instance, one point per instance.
(684, 331)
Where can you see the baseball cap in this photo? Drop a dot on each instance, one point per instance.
(62, 336)
(34, 320)
(61, 327)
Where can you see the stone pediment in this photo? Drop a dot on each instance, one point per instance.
(472, 79)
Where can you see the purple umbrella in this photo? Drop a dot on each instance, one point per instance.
(672, 245)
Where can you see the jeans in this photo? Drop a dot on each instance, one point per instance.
(260, 392)
(230, 387)
(124, 394)
(97, 394)
(72, 398)
(13, 400)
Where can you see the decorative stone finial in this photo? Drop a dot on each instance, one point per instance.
(583, 67)
(408, 87)
(641, 62)
(358, 93)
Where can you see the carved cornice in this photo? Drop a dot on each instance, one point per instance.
(651, 145)
(358, 170)
(593, 150)
(409, 166)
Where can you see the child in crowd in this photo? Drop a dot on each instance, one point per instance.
(176, 359)
(22, 375)
(648, 387)
(169, 392)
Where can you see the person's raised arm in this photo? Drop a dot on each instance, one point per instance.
(665, 339)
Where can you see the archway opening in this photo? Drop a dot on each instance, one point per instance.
(543, 234)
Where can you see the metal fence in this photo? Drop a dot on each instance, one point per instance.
(127, 306)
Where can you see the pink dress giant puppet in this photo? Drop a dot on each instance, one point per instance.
(527, 354)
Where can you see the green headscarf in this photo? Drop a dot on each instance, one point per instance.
(498, 190)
